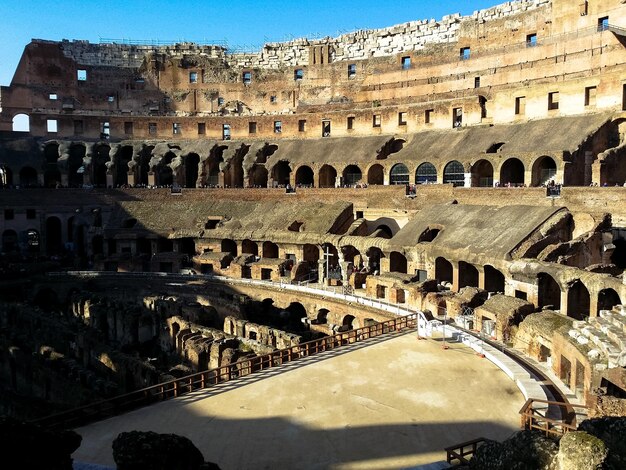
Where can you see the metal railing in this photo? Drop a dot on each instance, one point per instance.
(206, 379)
(534, 416)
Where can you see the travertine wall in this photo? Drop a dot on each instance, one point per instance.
(364, 44)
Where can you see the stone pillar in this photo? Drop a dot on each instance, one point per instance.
(321, 270)
(220, 179)
(593, 304)
(468, 180)
(109, 179)
(132, 178)
(151, 179)
(588, 168)
(455, 276)
(564, 302)
(596, 172)
(481, 277)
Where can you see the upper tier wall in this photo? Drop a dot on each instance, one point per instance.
(414, 35)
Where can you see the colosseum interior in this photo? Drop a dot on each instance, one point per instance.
(181, 210)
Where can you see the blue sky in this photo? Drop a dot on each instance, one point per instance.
(241, 23)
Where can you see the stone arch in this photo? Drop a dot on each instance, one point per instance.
(211, 166)
(270, 250)
(54, 237)
(548, 292)
(349, 322)
(543, 170)
(164, 170)
(383, 231)
(429, 234)
(322, 316)
(304, 176)
(258, 176)
(296, 312)
(28, 177)
(249, 247)
(578, 300)
(374, 255)
(351, 255)
(399, 174)
(494, 279)
(75, 168)
(143, 166)
(482, 174)
(52, 175)
(21, 123)
(281, 172)
(607, 299)
(331, 261)
(229, 246)
(512, 171)
(352, 175)
(123, 158)
(443, 270)
(327, 177)
(99, 165)
(468, 275)
(233, 171)
(397, 262)
(9, 241)
(454, 173)
(376, 174)
(426, 173)
(192, 161)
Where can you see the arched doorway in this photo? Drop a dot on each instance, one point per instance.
(99, 167)
(454, 173)
(327, 177)
(397, 262)
(270, 250)
(75, 168)
(281, 173)
(164, 170)
(349, 322)
(548, 292)
(482, 174)
(124, 156)
(258, 176)
(304, 176)
(399, 174)
(376, 174)
(295, 313)
(54, 241)
(512, 172)
(331, 261)
(352, 175)
(374, 255)
(426, 173)
(249, 247)
(607, 299)
(191, 170)
(28, 177)
(578, 301)
(544, 170)
(443, 270)
(322, 316)
(494, 280)
(229, 246)
(468, 275)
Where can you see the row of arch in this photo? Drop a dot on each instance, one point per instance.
(191, 171)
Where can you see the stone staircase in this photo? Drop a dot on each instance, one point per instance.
(605, 336)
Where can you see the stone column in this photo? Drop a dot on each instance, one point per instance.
(467, 180)
(455, 276)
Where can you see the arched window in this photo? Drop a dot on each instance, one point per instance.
(426, 173)
(21, 123)
(454, 173)
(399, 174)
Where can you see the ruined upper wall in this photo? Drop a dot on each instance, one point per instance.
(363, 44)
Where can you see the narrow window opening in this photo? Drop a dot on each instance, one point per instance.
(278, 127)
(476, 82)
(302, 125)
(376, 120)
(105, 130)
(152, 128)
(406, 62)
(531, 40)
(193, 77)
(590, 96)
(325, 128)
(273, 99)
(457, 117)
(53, 96)
(520, 105)
(298, 74)
(225, 131)
(553, 100)
(128, 128)
(428, 116)
(52, 125)
(402, 119)
(350, 122)
(81, 75)
(464, 53)
(247, 78)
(252, 127)
(603, 23)
(176, 128)
(78, 127)
(201, 128)
(351, 70)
